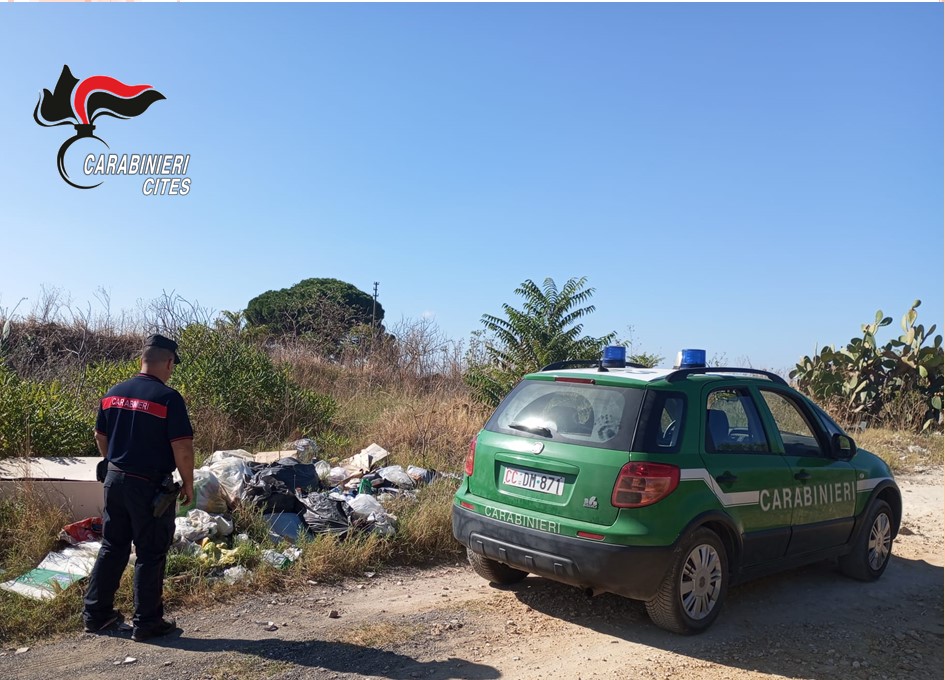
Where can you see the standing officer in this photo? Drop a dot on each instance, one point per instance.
(144, 433)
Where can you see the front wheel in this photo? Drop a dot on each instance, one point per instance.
(872, 547)
(691, 595)
(494, 572)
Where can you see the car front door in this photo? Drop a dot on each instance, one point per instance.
(742, 466)
(822, 494)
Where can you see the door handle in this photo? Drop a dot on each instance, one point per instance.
(726, 478)
(802, 476)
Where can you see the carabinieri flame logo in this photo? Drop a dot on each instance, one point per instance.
(79, 102)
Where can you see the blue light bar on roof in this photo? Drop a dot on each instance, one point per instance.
(615, 356)
(690, 358)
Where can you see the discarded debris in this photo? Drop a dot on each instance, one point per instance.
(21, 650)
(297, 494)
(235, 574)
(333, 614)
(56, 572)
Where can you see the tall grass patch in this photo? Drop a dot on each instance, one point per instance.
(903, 451)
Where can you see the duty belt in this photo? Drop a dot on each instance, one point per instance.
(153, 477)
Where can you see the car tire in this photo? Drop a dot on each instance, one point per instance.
(872, 547)
(494, 572)
(692, 593)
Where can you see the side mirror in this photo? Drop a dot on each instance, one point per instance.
(843, 447)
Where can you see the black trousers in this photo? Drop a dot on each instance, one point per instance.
(128, 518)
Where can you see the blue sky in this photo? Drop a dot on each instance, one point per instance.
(756, 180)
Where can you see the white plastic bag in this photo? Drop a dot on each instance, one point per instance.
(233, 473)
(395, 475)
(208, 493)
(231, 453)
(234, 574)
(364, 504)
(194, 527)
(322, 469)
(336, 476)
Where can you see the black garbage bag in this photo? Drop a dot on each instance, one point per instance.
(323, 515)
(292, 473)
(270, 494)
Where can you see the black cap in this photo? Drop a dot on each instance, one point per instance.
(164, 343)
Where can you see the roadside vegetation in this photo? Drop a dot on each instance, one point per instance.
(316, 361)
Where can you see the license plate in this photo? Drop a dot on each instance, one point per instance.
(535, 481)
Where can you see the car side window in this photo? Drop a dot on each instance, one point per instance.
(732, 423)
(796, 432)
(661, 422)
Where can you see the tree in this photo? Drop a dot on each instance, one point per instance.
(545, 330)
(323, 311)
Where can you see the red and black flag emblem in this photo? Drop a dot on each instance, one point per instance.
(79, 102)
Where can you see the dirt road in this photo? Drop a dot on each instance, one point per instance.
(445, 622)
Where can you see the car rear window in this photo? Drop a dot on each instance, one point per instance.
(574, 413)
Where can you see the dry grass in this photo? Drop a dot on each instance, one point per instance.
(236, 666)
(903, 451)
(380, 634)
(29, 527)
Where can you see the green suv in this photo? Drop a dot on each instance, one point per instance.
(668, 485)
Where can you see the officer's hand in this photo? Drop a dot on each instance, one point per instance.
(186, 494)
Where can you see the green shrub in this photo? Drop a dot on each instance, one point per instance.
(42, 419)
(223, 376)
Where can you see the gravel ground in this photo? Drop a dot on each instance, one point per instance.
(445, 622)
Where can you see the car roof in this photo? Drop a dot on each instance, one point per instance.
(667, 375)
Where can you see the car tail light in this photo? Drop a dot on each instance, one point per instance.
(640, 484)
(471, 457)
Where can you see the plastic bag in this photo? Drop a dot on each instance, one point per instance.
(89, 529)
(281, 560)
(293, 474)
(270, 494)
(322, 469)
(233, 473)
(208, 494)
(217, 456)
(383, 524)
(195, 527)
(235, 574)
(305, 449)
(395, 475)
(336, 476)
(285, 525)
(421, 475)
(323, 515)
(363, 505)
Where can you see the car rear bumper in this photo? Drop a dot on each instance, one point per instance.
(630, 571)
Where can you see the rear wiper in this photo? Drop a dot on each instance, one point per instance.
(541, 431)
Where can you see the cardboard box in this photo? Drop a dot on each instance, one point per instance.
(67, 482)
(272, 456)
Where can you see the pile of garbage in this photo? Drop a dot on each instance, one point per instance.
(298, 493)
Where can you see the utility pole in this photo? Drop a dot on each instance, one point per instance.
(374, 309)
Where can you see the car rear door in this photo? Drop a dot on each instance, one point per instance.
(556, 446)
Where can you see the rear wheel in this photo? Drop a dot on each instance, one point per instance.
(872, 547)
(494, 572)
(691, 595)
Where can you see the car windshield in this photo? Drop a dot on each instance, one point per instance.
(576, 413)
